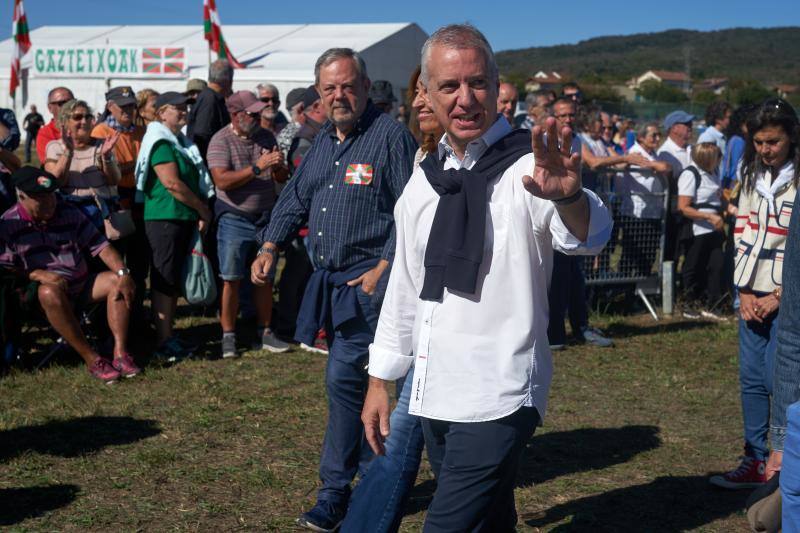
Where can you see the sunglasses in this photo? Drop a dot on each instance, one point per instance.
(273, 99)
(77, 117)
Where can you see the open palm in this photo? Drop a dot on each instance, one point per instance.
(109, 142)
(556, 173)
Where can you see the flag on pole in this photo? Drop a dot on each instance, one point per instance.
(213, 34)
(22, 43)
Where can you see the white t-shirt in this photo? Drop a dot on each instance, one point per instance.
(707, 193)
(641, 189)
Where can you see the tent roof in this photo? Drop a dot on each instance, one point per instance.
(285, 51)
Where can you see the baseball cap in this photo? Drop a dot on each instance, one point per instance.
(170, 98)
(310, 96)
(381, 92)
(121, 96)
(294, 97)
(195, 85)
(677, 117)
(244, 101)
(33, 180)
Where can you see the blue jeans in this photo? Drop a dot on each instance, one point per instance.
(787, 357)
(379, 498)
(790, 473)
(757, 345)
(345, 450)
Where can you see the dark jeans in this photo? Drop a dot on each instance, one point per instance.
(567, 294)
(702, 270)
(379, 498)
(475, 490)
(30, 139)
(345, 449)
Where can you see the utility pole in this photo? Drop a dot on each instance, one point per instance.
(687, 67)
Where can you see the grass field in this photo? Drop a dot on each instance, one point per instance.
(212, 445)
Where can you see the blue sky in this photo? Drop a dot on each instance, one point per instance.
(508, 25)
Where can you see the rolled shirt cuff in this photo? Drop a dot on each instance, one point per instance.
(777, 435)
(388, 365)
(600, 225)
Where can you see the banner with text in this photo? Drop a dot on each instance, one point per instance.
(108, 61)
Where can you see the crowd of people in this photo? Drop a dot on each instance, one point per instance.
(443, 244)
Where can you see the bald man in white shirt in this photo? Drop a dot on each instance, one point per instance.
(467, 296)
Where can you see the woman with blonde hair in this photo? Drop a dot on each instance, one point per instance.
(85, 167)
(700, 202)
(146, 106)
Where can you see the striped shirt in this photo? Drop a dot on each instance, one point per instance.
(57, 245)
(346, 190)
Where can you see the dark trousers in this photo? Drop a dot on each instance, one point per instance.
(291, 287)
(702, 269)
(475, 486)
(567, 294)
(30, 139)
(345, 450)
(640, 242)
(135, 251)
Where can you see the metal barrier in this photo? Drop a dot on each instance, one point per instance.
(635, 252)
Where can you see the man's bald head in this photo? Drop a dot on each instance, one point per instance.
(507, 98)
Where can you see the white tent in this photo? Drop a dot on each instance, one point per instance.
(165, 57)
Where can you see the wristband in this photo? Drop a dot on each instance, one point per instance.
(262, 251)
(567, 200)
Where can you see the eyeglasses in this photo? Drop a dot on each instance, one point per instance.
(59, 103)
(77, 117)
(273, 99)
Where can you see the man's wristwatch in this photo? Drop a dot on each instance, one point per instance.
(256, 170)
(124, 271)
(270, 250)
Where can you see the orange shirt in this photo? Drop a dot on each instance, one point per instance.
(126, 151)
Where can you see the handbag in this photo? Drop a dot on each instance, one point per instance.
(199, 285)
(117, 222)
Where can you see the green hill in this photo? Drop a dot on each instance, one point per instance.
(769, 55)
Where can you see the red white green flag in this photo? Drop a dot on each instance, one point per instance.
(213, 34)
(22, 43)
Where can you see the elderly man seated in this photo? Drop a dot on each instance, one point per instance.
(46, 239)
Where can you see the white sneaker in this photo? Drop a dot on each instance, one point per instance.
(272, 343)
(711, 315)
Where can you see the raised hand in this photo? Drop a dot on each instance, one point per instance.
(108, 143)
(556, 173)
(66, 138)
(270, 159)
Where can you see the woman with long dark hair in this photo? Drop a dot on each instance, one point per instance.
(769, 175)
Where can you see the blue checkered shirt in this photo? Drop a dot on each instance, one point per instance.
(350, 215)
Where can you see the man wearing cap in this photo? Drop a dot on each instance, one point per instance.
(120, 116)
(294, 103)
(345, 188)
(382, 95)
(193, 89)
(45, 239)
(50, 132)
(678, 153)
(209, 115)
(244, 159)
(315, 116)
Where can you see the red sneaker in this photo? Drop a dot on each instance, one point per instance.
(320, 344)
(125, 366)
(750, 474)
(103, 370)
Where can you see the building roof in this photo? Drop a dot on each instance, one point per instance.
(670, 75)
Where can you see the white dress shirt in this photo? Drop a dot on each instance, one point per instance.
(478, 356)
(641, 189)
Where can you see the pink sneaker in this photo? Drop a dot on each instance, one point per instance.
(750, 474)
(125, 366)
(103, 370)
